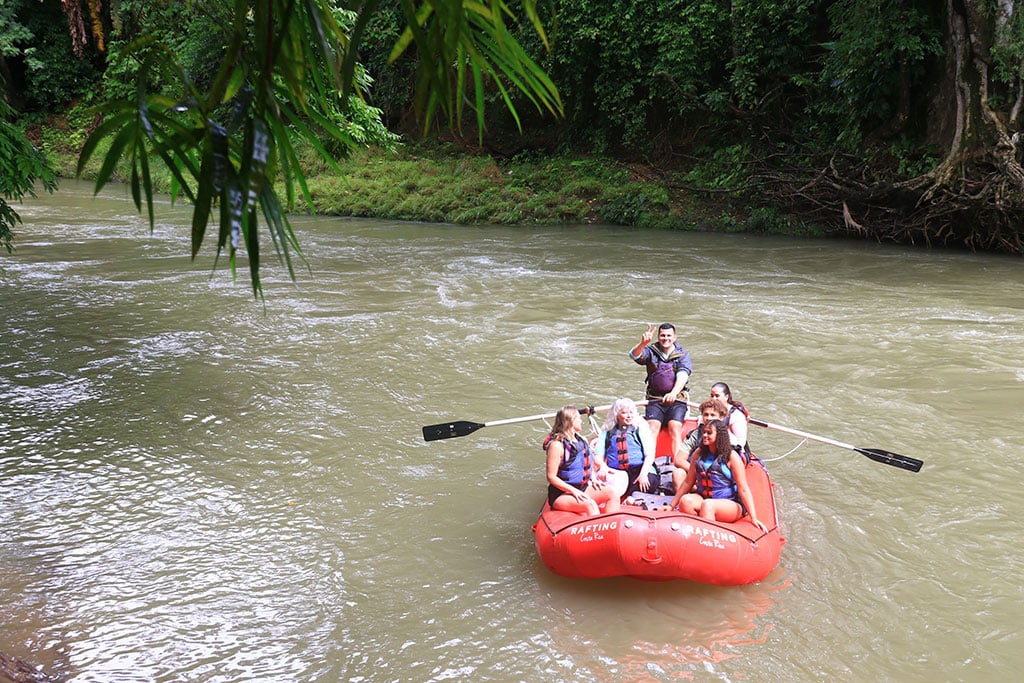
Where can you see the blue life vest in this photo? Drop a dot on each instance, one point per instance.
(634, 455)
(714, 478)
(575, 467)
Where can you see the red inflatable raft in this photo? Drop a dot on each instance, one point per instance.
(661, 545)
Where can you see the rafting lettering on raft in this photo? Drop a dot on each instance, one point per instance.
(591, 528)
(711, 537)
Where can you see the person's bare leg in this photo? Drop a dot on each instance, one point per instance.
(655, 426)
(675, 432)
(691, 503)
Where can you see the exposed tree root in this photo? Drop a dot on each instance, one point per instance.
(16, 670)
(977, 204)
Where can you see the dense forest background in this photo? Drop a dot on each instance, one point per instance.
(888, 119)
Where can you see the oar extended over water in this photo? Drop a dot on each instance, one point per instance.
(450, 430)
(876, 454)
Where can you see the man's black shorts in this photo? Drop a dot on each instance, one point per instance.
(664, 412)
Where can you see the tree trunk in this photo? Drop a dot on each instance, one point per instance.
(8, 93)
(975, 195)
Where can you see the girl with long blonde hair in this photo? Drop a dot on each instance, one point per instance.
(574, 476)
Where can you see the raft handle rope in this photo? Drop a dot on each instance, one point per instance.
(590, 411)
(784, 455)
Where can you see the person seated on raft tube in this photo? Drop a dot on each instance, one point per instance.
(711, 409)
(668, 371)
(719, 473)
(575, 480)
(736, 418)
(626, 445)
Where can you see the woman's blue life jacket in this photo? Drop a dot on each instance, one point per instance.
(575, 467)
(715, 478)
(628, 451)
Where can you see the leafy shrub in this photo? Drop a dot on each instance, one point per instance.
(54, 75)
(771, 221)
(722, 168)
(634, 204)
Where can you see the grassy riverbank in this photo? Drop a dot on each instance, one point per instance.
(435, 183)
(439, 182)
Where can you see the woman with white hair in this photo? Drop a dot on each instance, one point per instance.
(626, 445)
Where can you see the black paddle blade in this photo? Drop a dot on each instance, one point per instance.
(450, 430)
(894, 459)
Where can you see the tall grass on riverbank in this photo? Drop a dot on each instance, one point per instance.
(418, 184)
(444, 183)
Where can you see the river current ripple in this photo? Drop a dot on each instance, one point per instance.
(200, 486)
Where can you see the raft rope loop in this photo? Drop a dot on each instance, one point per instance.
(595, 429)
(784, 455)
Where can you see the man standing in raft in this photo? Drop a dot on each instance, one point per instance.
(668, 370)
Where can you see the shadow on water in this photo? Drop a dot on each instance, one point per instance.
(31, 653)
(624, 629)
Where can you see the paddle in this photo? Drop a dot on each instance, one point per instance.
(876, 454)
(450, 430)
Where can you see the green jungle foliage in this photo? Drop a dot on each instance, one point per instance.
(21, 166)
(876, 51)
(700, 73)
(748, 102)
(1008, 52)
(194, 33)
(34, 37)
(229, 96)
(640, 78)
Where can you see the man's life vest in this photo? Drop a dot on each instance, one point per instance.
(661, 372)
